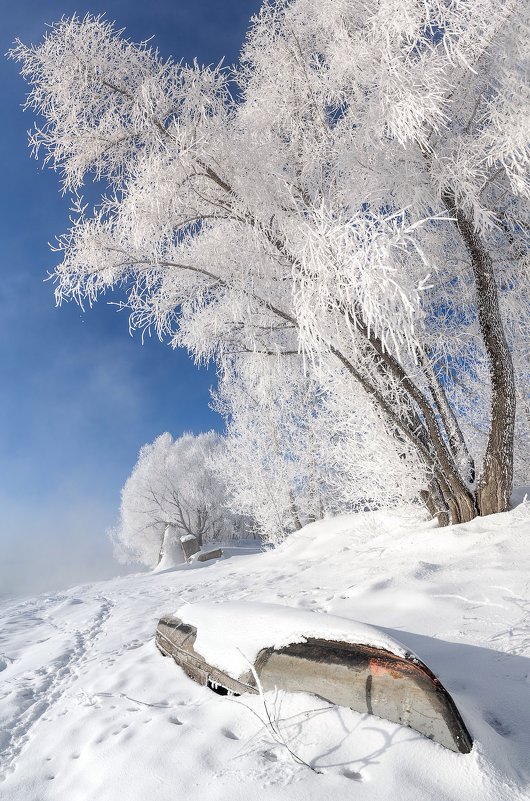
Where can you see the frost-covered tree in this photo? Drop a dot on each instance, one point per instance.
(173, 490)
(370, 467)
(356, 190)
(275, 460)
(297, 449)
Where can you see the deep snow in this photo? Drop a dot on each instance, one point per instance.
(89, 710)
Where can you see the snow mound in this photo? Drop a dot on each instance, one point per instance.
(91, 711)
(230, 635)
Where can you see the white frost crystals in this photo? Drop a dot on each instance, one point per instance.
(338, 195)
(360, 264)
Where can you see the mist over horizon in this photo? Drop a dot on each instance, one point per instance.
(79, 396)
(49, 560)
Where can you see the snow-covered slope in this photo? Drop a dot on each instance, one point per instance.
(90, 711)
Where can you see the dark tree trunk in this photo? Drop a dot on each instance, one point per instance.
(295, 517)
(495, 482)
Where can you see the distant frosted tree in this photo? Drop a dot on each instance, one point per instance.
(356, 190)
(173, 491)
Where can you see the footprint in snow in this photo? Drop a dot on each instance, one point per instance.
(382, 585)
(426, 569)
(497, 725)
(352, 774)
(130, 646)
(230, 735)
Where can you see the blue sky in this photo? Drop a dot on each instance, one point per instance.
(79, 396)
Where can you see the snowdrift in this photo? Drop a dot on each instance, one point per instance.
(89, 710)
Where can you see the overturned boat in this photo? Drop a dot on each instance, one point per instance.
(227, 646)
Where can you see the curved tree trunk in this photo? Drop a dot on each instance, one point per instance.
(495, 482)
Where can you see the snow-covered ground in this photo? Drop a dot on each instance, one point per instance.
(90, 710)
